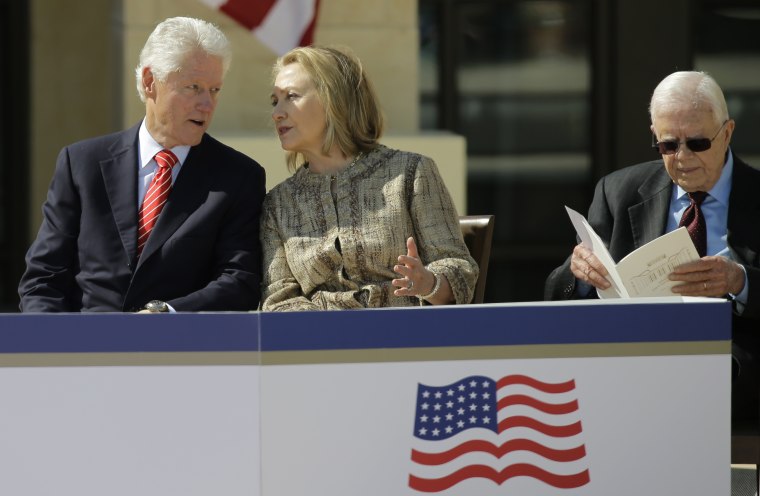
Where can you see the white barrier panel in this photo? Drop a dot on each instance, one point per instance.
(530, 399)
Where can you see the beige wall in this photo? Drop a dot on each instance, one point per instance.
(448, 150)
(84, 54)
(73, 83)
(382, 33)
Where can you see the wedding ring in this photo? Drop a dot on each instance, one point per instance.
(410, 285)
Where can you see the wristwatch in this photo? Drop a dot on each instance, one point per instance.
(156, 306)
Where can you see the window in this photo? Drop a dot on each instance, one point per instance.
(728, 48)
(513, 77)
(14, 163)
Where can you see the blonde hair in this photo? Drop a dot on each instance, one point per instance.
(354, 120)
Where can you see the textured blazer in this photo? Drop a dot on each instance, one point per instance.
(325, 253)
(630, 208)
(203, 253)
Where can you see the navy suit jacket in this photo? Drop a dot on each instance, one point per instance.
(630, 208)
(203, 253)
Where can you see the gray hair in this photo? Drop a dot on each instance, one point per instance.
(175, 38)
(692, 89)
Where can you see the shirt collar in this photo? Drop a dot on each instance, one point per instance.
(148, 147)
(722, 189)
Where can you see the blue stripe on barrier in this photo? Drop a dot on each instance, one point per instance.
(496, 325)
(90, 333)
(487, 325)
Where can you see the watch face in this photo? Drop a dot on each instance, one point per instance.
(157, 306)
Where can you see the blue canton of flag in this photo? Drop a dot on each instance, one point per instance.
(443, 412)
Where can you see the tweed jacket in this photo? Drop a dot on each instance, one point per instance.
(324, 253)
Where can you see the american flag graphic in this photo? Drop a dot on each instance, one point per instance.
(279, 24)
(515, 426)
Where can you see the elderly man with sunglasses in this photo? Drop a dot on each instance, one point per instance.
(692, 131)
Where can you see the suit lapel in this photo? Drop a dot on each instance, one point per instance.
(189, 191)
(120, 178)
(743, 212)
(649, 218)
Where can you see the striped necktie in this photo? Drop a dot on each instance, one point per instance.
(694, 221)
(155, 197)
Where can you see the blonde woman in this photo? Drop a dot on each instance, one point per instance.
(358, 225)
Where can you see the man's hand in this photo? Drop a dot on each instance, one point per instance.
(587, 268)
(708, 276)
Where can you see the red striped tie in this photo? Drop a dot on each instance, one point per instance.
(155, 197)
(695, 222)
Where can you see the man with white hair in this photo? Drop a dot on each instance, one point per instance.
(160, 217)
(699, 180)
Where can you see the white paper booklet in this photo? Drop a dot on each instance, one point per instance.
(643, 272)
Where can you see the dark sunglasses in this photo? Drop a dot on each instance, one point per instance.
(669, 147)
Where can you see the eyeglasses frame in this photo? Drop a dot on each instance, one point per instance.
(656, 144)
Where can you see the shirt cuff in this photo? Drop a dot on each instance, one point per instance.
(582, 288)
(741, 298)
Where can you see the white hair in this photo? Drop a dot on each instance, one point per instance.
(175, 38)
(692, 89)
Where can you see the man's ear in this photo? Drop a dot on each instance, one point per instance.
(730, 125)
(148, 82)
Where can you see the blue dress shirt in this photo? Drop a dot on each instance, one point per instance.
(715, 210)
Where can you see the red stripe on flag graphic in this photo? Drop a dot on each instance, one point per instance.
(560, 387)
(522, 399)
(558, 455)
(526, 427)
(499, 477)
(531, 423)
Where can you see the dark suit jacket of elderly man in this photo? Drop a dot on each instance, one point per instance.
(203, 253)
(630, 208)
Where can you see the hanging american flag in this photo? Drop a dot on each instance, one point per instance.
(516, 426)
(279, 24)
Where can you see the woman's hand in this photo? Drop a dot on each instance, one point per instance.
(415, 278)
